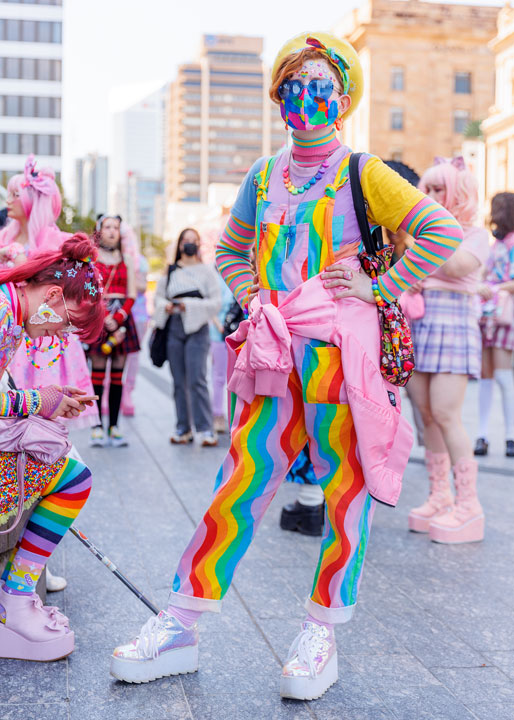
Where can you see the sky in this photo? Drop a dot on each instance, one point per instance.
(117, 51)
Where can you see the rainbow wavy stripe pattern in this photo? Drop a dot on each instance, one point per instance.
(266, 438)
(438, 235)
(322, 373)
(349, 508)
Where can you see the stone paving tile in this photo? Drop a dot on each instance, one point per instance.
(492, 711)
(392, 671)
(477, 685)
(269, 706)
(51, 711)
(504, 661)
(27, 682)
(424, 703)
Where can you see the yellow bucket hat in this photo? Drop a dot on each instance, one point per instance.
(338, 52)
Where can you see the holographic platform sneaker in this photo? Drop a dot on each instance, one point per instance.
(163, 647)
(311, 665)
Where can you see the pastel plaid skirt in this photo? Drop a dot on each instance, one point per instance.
(447, 338)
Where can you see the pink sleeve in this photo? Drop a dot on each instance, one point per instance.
(476, 242)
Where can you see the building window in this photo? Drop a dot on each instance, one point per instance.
(28, 31)
(28, 144)
(28, 69)
(12, 144)
(463, 83)
(461, 119)
(11, 106)
(396, 118)
(28, 106)
(12, 30)
(12, 68)
(44, 109)
(44, 70)
(397, 78)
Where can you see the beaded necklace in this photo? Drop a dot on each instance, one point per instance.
(314, 179)
(31, 349)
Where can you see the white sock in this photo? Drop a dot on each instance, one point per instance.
(505, 379)
(485, 402)
(310, 495)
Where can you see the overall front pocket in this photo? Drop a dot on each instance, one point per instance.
(322, 374)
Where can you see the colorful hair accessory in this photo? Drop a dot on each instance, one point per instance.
(44, 184)
(58, 274)
(86, 259)
(71, 272)
(457, 162)
(335, 58)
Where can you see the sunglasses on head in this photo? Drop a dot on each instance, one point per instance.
(322, 88)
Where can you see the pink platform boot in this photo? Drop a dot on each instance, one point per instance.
(32, 631)
(465, 523)
(440, 499)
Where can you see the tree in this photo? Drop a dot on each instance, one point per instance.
(70, 220)
(473, 130)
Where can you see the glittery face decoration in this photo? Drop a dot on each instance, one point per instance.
(304, 112)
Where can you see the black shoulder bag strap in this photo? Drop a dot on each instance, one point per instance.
(372, 241)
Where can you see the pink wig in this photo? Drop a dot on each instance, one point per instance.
(41, 202)
(461, 188)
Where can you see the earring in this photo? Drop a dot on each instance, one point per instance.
(339, 123)
(45, 314)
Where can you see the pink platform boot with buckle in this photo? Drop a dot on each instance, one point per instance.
(440, 499)
(465, 523)
(30, 630)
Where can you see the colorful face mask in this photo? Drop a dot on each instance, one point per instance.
(305, 98)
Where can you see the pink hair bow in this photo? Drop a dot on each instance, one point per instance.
(33, 178)
(457, 162)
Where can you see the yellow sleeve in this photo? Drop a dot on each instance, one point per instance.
(390, 198)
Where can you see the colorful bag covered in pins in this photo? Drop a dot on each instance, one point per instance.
(396, 351)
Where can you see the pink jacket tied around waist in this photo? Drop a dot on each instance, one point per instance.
(265, 362)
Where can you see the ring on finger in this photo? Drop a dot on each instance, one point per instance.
(347, 275)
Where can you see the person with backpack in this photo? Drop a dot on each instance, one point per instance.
(308, 364)
(186, 300)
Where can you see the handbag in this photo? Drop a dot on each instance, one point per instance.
(44, 440)
(159, 338)
(233, 318)
(396, 351)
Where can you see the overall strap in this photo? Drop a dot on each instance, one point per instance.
(340, 179)
(261, 181)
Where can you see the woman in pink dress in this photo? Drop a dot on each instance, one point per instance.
(33, 206)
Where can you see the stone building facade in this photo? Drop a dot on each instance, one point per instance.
(429, 71)
(498, 129)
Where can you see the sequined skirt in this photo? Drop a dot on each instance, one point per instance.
(37, 476)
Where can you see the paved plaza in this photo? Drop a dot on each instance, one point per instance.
(432, 637)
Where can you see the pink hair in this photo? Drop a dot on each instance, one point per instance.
(41, 210)
(72, 268)
(461, 190)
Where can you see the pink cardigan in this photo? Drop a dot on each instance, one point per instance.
(265, 361)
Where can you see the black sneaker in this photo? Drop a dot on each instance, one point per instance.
(305, 519)
(509, 448)
(482, 446)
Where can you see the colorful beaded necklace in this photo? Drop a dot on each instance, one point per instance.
(31, 349)
(314, 179)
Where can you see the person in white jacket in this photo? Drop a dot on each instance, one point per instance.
(186, 300)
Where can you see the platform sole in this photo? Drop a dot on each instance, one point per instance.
(174, 662)
(421, 524)
(306, 688)
(471, 531)
(14, 646)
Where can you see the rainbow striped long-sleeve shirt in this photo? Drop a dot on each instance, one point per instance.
(392, 202)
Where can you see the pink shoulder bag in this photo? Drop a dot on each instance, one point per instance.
(44, 440)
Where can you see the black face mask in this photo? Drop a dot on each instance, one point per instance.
(190, 249)
(498, 234)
